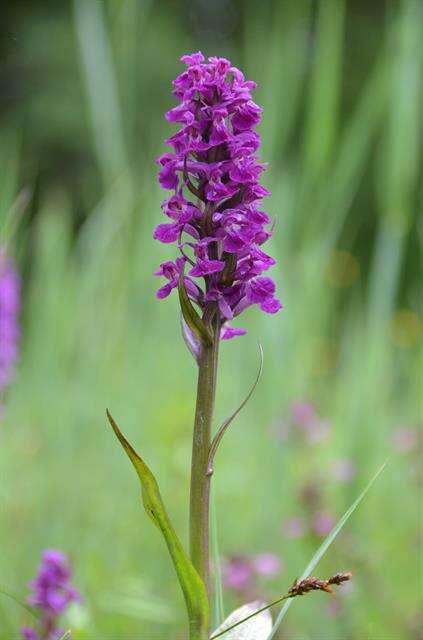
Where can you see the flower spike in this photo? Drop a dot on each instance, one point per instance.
(213, 172)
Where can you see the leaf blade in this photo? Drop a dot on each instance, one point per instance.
(191, 584)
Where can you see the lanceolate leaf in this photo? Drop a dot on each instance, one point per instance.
(191, 317)
(192, 586)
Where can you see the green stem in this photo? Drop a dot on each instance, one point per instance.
(200, 480)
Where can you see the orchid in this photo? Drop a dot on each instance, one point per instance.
(214, 159)
(216, 220)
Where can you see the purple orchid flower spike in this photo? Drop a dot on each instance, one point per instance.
(215, 218)
(51, 594)
(214, 159)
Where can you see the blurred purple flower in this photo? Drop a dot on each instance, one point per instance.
(29, 634)
(267, 564)
(344, 470)
(51, 593)
(240, 572)
(294, 528)
(304, 416)
(214, 158)
(322, 523)
(9, 327)
(303, 413)
(317, 431)
(237, 573)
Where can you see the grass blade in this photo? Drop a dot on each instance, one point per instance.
(324, 547)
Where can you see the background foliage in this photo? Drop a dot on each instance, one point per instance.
(84, 86)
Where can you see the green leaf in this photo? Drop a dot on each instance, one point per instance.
(324, 547)
(191, 584)
(66, 635)
(191, 317)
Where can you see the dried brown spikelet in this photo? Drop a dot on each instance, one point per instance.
(311, 583)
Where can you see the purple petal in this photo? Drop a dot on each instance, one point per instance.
(271, 305)
(229, 332)
(167, 233)
(205, 267)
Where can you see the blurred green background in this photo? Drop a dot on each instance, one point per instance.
(84, 86)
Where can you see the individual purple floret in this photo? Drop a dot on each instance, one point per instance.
(51, 594)
(214, 158)
(9, 326)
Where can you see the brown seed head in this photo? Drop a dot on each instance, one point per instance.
(339, 578)
(300, 587)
